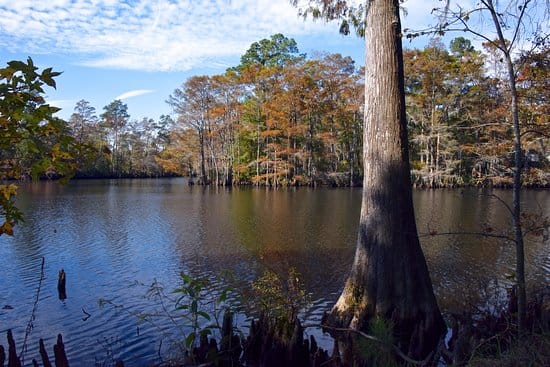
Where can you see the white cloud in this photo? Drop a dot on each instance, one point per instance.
(65, 104)
(147, 35)
(134, 93)
(158, 35)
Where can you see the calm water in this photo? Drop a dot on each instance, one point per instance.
(113, 236)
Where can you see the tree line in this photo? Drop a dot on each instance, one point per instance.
(281, 118)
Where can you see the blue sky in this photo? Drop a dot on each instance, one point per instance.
(139, 51)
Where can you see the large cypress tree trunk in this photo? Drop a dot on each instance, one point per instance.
(389, 277)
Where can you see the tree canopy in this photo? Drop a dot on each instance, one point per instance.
(33, 141)
(276, 51)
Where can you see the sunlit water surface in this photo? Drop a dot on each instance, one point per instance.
(114, 238)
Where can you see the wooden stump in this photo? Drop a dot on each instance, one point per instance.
(13, 360)
(59, 353)
(61, 289)
(44, 354)
(269, 345)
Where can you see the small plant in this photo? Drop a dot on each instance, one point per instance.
(194, 310)
(378, 352)
(109, 345)
(279, 300)
(191, 300)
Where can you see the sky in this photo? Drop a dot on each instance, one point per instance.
(140, 51)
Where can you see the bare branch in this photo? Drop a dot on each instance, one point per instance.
(485, 341)
(393, 347)
(518, 24)
(30, 324)
(496, 21)
(501, 201)
(536, 132)
(481, 234)
(479, 126)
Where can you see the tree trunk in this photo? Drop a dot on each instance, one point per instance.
(114, 158)
(204, 178)
(518, 169)
(258, 153)
(389, 277)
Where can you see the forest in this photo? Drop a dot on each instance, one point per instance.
(283, 118)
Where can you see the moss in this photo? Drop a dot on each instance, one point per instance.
(355, 298)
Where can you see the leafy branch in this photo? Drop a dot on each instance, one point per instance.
(189, 308)
(32, 140)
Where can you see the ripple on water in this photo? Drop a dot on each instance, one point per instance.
(113, 240)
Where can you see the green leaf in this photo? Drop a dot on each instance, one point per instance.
(190, 340)
(223, 296)
(204, 315)
(47, 77)
(17, 65)
(6, 73)
(186, 278)
(39, 168)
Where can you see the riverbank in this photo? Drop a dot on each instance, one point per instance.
(532, 178)
(488, 338)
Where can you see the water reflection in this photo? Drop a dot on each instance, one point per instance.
(110, 236)
(463, 264)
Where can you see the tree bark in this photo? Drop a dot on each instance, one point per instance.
(204, 177)
(389, 276)
(518, 169)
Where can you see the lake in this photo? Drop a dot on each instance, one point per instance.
(114, 238)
